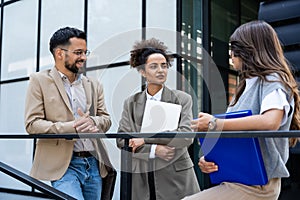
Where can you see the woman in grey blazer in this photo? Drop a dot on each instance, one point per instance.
(162, 168)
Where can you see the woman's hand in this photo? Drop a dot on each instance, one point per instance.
(136, 142)
(165, 152)
(201, 124)
(207, 167)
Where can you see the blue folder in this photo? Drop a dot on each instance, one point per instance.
(239, 159)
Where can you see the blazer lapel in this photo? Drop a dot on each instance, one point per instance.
(60, 86)
(168, 96)
(87, 85)
(138, 110)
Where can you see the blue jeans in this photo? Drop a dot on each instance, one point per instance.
(82, 179)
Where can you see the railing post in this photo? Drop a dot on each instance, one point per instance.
(126, 168)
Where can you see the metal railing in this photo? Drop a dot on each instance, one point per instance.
(125, 187)
(36, 184)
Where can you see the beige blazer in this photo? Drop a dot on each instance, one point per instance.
(175, 179)
(48, 110)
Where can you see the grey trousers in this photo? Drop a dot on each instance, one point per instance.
(235, 191)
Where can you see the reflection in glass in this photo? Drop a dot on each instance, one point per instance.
(113, 27)
(18, 152)
(160, 21)
(52, 21)
(19, 39)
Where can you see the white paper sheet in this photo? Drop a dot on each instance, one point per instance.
(160, 116)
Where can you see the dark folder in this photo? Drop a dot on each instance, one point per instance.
(239, 159)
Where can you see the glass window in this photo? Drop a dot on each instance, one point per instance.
(118, 83)
(19, 39)
(161, 24)
(161, 14)
(224, 20)
(12, 101)
(191, 50)
(114, 49)
(19, 156)
(161, 21)
(113, 27)
(249, 10)
(54, 16)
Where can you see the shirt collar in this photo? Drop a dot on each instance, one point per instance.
(156, 97)
(65, 78)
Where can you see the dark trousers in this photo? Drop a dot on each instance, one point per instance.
(151, 182)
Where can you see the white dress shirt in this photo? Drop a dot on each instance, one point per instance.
(77, 98)
(156, 97)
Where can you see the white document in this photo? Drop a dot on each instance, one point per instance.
(160, 116)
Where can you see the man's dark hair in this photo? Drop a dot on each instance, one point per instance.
(63, 35)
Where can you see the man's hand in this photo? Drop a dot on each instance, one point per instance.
(85, 124)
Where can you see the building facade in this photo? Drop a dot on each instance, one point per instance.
(196, 32)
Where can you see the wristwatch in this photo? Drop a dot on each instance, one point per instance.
(212, 124)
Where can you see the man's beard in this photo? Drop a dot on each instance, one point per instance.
(73, 68)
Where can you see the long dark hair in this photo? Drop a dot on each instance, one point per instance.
(259, 48)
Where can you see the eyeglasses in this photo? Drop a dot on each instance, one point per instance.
(78, 52)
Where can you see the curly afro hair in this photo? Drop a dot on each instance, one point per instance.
(143, 49)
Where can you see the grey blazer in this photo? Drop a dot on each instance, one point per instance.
(174, 179)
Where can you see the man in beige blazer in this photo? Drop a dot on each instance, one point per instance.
(59, 101)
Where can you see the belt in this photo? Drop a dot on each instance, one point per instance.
(84, 153)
